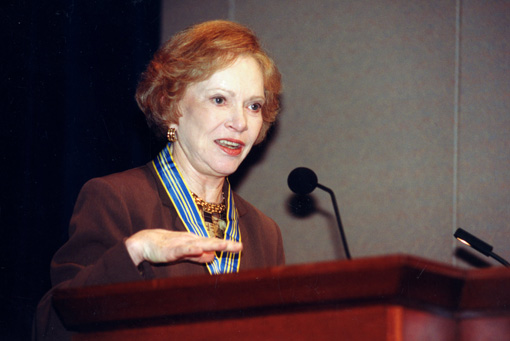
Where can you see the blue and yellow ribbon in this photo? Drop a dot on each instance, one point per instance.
(179, 193)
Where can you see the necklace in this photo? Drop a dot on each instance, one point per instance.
(207, 206)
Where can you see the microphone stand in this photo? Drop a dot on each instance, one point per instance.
(339, 222)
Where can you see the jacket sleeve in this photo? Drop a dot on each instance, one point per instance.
(280, 253)
(95, 253)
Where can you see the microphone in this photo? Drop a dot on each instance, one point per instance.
(479, 245)
(304, 181)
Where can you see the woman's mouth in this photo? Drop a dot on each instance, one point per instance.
(230, 147)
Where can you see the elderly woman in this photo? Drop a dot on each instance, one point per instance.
(213, 93)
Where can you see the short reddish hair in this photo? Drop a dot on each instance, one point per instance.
(194, 55)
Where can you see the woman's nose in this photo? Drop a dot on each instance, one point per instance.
(237, 119)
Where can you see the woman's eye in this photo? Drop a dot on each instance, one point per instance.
(219, 100)
(255, 106)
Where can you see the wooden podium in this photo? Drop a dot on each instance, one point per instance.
(385, 298)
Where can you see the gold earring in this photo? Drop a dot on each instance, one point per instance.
(171, 135)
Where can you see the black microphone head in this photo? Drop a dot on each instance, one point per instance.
(302, 180)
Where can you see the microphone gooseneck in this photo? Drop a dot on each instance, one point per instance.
(304, 181)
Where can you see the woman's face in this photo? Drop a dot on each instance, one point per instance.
(221, 120)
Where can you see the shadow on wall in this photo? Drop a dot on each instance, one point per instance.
(303, 206)
(471, 258)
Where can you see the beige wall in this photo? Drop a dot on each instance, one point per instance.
(401, 107)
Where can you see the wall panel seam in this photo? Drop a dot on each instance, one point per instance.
(456, 104)
(232, 10)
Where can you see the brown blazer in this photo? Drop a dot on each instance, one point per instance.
(112, 208)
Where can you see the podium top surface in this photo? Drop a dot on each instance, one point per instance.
(395, 279)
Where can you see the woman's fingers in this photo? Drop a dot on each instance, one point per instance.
(215, 244)
(205, 257)
(163, 246)
(202, 250)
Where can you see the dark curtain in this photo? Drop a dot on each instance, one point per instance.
(69, 72)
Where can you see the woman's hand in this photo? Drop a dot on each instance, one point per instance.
(163, 246)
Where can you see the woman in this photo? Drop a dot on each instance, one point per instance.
(213, 92)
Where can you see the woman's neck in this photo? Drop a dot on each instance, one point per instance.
(209, 191)
(207, 187)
